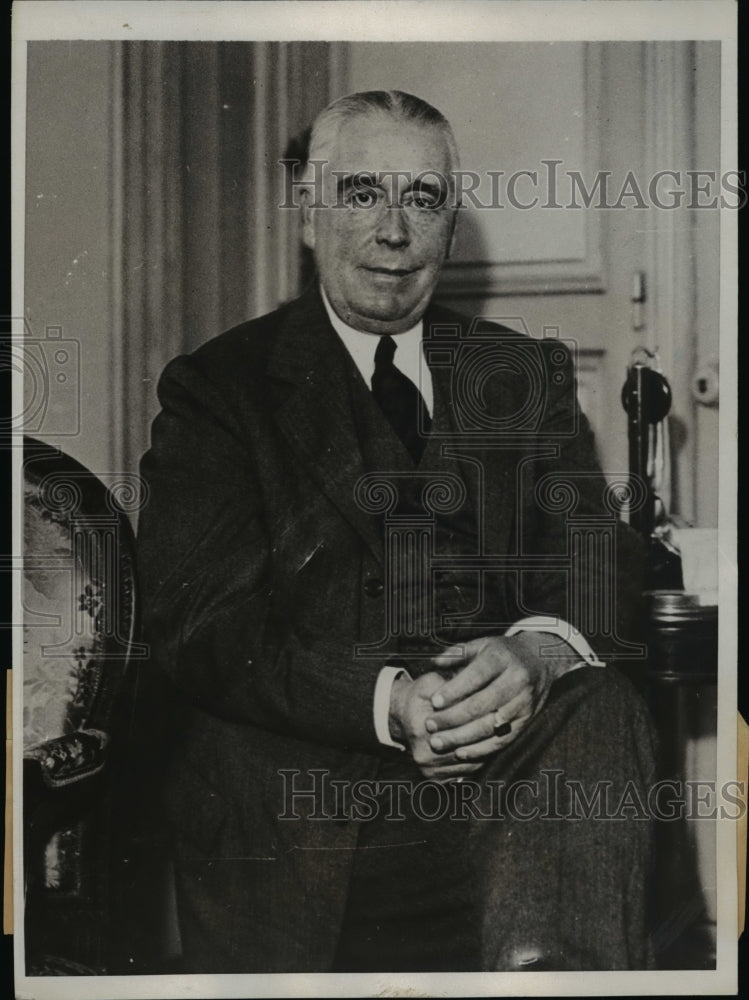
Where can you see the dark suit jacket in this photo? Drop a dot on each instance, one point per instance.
(256, 565)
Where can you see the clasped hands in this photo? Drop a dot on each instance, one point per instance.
(452, 726)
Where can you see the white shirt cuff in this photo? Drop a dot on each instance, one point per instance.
(564, 630)
(383, 688)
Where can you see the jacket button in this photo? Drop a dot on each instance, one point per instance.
(373, 587)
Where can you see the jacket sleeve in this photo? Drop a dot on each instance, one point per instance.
(213, 619)
(594, 573)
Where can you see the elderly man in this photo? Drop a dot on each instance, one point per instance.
(360, 579)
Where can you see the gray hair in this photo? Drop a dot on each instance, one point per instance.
(396, 103)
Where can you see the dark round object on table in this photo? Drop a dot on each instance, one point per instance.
(682, 637)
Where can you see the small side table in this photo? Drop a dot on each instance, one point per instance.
(681, 688)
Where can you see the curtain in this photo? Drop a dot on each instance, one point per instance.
(204, 243)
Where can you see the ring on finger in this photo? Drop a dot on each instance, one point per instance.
(501, 728)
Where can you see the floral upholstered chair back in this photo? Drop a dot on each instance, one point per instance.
(62, 602)
(78, 611)
(79, 604)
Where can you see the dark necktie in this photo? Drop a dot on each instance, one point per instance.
(400, 400)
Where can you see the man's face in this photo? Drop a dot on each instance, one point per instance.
(381, 241)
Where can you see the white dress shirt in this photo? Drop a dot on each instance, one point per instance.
(409, 358)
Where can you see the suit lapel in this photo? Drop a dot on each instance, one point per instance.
(314, 412)
(313, 391)
(487, 464)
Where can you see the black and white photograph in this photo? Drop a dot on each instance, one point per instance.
(374, 439)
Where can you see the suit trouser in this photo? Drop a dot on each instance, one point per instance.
(541, 861)
(570, 888)
(411, 904)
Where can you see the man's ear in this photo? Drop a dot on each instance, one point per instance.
(308, 229)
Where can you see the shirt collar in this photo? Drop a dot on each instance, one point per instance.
(362, 345)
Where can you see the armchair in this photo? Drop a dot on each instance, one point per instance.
(79, 607)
